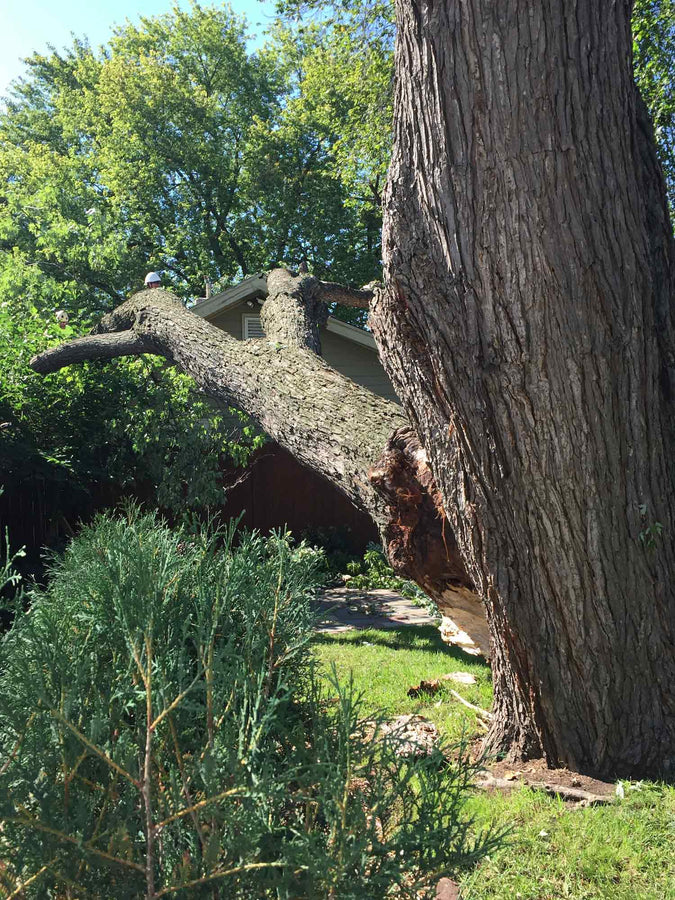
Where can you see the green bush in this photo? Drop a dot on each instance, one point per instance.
(161, 730)
(374, 573)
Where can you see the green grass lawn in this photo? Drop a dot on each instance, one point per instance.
(625, 850)
(617, 852)
(385, 664)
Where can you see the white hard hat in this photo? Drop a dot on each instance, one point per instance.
(152, 276)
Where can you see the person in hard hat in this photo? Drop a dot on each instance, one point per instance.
(152, 280)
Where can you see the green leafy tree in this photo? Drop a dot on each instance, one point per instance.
(176, 149)
(654, 65)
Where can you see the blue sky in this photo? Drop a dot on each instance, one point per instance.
(27, 26)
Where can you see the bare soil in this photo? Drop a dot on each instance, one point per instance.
(535, 773)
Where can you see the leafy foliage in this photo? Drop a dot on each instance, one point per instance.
(373, 572)
(161, 728)
(133, 422)
(654, 62)
(176, 150)
(340, 60)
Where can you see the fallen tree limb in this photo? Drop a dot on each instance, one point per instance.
(359, 441)
(338, 293)
(93, 346)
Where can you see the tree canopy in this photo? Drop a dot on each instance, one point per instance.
(176, 148)
(173, 148)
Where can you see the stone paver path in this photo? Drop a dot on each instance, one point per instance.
(343, 609)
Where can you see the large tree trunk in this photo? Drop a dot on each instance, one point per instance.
(527, 327)
(357, 440)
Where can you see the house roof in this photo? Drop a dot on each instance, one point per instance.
(255, 288)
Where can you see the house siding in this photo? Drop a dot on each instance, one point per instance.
(231, 320)
(360, 364)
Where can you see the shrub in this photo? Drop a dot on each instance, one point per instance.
(161, 730)
(374, 573)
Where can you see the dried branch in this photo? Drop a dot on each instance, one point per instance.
(483, 713)
(576, 795)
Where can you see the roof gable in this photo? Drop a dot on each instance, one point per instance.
(255, 288)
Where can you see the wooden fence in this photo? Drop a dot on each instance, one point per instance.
(272, 492)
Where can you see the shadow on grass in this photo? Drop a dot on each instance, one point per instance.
(407, 637)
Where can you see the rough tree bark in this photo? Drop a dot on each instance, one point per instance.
(527, 327)
(357, 440)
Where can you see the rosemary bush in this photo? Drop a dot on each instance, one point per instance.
(161, 731)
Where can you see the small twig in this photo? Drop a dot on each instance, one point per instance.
(174, 703)
(17, 746)
(221, 874)
(68, 839)
(101, 814)
(97, 750)
(197, 806)
(483, 713)
(186, 791)
(33, 878)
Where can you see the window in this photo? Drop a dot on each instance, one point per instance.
(251, 327)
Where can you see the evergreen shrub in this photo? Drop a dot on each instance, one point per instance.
(162, 733)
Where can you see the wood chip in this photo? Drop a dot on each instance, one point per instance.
(460, 677)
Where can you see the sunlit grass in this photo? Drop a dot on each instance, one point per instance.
(385, 664)
(623, 851)
(615, 852)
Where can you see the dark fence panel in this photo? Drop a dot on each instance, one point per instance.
(274, 491)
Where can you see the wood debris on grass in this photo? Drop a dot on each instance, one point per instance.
(577, 790)
(413, 735)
